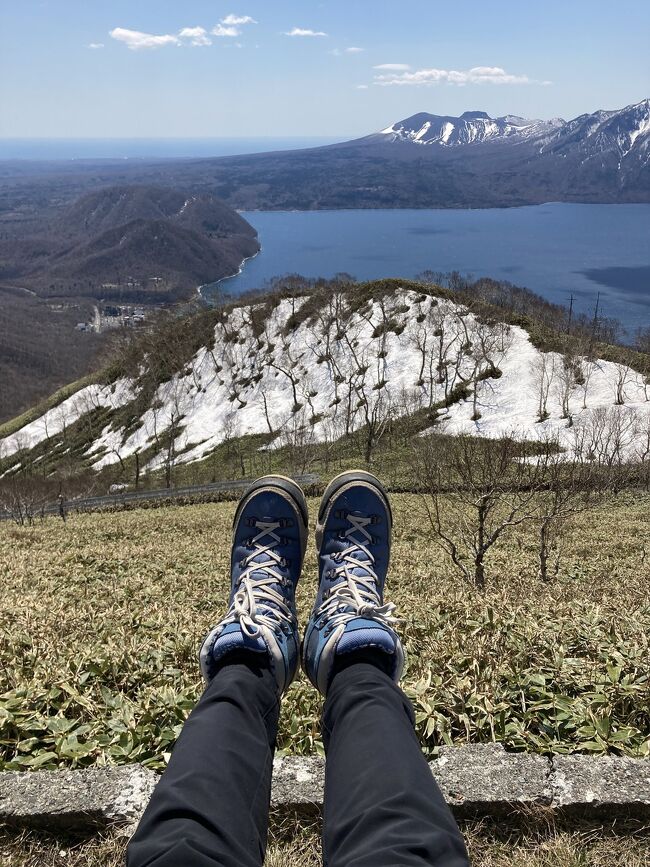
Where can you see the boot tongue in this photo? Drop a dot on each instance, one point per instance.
(362, 632)
(261, 574)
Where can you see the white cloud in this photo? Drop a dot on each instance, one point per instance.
(238, 19)
(300, 31)
(429, 77)
(229, 26)
(196, 35)
(96, 45)
(353, 49)
(135, 39)
(221, 30)
(394, 67)
(362, 87)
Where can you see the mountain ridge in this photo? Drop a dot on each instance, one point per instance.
(325, 365)
(631, 124)
(603, 157)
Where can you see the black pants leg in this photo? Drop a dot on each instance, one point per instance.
(382, 806)
(211, 805)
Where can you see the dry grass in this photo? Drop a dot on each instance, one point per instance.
(102, 618)
(299, 846)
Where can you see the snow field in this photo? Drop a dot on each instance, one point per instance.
(331, 373)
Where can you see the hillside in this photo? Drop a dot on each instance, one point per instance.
(318, 368)
(125, 245)
(433, 161)
(34, 359)
(132, 243)
(422, 161)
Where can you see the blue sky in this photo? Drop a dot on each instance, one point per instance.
(300, 68)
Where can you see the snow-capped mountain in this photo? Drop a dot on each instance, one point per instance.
(471, 127)
(621, 133)
(442, 161)
(625, 132)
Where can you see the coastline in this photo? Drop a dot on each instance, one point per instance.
(565, 257)
(418, 208)
(223, 279)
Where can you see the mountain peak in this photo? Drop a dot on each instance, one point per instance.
(449, 131)
(618, 131)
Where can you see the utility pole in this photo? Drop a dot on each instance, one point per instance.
(595, 324)
(568, 327)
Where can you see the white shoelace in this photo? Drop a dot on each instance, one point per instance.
(356, 596)
(254, 592)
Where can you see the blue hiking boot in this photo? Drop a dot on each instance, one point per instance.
(353, 542)
(269, 540)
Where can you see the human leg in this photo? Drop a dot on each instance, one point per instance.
(382, 805)
(211, 806)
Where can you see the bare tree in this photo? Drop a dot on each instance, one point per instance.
(605, 436)
(570, 485)
(488, 344)
(543, 371)
(24, 497)
(565, 383)
(299, 438)
(587, 367)
(476, 490)
(623, 373)
(438, 337)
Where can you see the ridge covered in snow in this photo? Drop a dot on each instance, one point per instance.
(621, 131)
(470, 127)
(315, 369)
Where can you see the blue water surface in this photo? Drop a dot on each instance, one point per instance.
(554, 249)
(147, 148)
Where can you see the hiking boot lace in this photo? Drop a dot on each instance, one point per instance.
(255, 593)
(356, 596)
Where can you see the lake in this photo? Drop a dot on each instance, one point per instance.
(554, 249)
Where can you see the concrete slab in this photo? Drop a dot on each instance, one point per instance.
(298, 781)
(485, 780)
(601, 787)
(75, 800)
(476, 780)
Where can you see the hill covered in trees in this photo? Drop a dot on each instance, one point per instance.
(122, 245)
(127, 243)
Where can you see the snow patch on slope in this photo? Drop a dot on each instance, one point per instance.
(55, 420)
(323, 378)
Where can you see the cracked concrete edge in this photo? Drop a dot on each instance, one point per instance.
(76, 800)
(604, 787)
(476, 780)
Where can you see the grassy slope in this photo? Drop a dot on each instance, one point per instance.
(106, 600)
(102, 618)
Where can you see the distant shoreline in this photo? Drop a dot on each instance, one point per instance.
(35, 150)
(222, 279)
